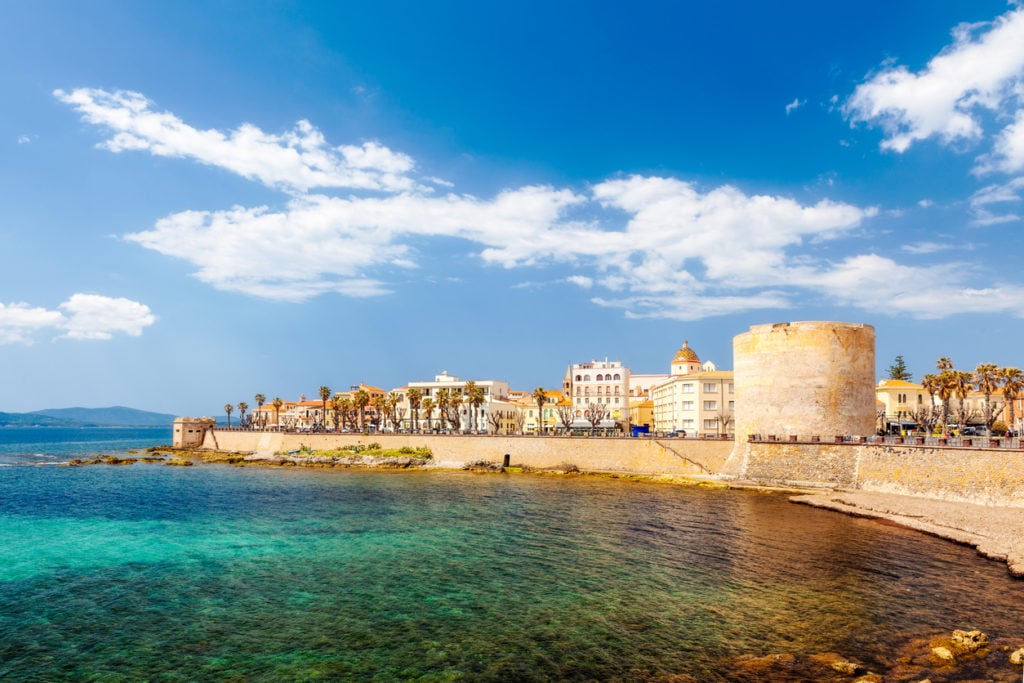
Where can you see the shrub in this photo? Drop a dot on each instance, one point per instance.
(999, 428)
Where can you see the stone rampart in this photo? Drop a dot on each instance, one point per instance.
(591, 454)
(984, 476)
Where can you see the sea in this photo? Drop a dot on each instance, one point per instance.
(219, 573)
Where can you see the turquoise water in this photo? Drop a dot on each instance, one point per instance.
(217, 573)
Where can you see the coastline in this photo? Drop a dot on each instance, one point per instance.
(992, 530)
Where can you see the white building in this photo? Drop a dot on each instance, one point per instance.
(602, 383)
(494, 391)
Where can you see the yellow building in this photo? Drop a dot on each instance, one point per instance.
(697, 399)
(901, 404)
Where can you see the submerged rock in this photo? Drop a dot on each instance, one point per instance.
(969, 641)
(838, 663)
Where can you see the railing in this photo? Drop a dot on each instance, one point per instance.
(929, 441)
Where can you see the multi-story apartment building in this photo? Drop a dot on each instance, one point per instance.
(601, 383)
(494, 392)
(698, 399)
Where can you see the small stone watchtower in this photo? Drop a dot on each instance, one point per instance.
(190, 432)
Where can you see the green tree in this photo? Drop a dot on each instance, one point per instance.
(337, 410)
(1013, 383)
(444, 398)
(228, 408)
(541, 397)
(898, 370)
(428, 408)
(961, 383)
(415, 397)
(987, 378)
(260, 400)
(277, 403)
(243, 408)
(360, 401)
(325, 394)
(475, 398)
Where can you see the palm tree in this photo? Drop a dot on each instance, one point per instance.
(986, 379)
(444, 398)
(428, 408)
(541, 397)
(260, 400)
(1013, 382)
(325, 393)
(391, 408)
(961, 386)
(360, 401)
(337, 405)
(347, 410)
(454, 403)
(415, 397)
(243, 408)
(227, 409)
(475, 398)
(277, 403)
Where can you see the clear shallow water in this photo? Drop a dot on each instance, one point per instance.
(219, 573)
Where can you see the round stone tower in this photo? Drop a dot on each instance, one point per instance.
(805, 378)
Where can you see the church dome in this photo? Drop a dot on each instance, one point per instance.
(686, 355)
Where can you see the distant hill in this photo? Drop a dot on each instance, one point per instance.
(115, 416)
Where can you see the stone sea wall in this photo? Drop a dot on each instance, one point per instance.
(971, 475)
(985, 476)
(622, 455)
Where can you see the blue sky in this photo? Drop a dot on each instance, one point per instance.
(203, 201)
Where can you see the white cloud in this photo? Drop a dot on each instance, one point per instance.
(19, 321)
(25, 139)
(91, 316)
(794, 105)
(324, 244)
(925, 247)
(873, 282)
(925, 203)
(581, 281)
(982, 69)
(986, 202)
(682, 252)
(1007, 151)
(299, 159)
(83, 316)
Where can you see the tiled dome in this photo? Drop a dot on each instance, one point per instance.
(686, 355)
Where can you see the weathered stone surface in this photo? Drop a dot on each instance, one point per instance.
(1017, 657)
(943, 655)
(838, 663)
(969, 641)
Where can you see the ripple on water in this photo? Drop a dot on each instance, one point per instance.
(218, 573)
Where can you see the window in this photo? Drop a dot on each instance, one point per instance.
(578, 378)
(710, 388)
(617, 376)
(586, 378)
(732, 405)
(599, 378)
(710, 405)
(687, 405)
(710, 424)
(730, 387)
(919, 397)
(687, 424)
(616, 400)
(617, 389)
(687, 388)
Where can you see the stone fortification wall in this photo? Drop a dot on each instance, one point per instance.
(639, 456)
(970, 475)
(805, 378)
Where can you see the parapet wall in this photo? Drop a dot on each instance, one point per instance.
(984, 476)
(623, 455)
